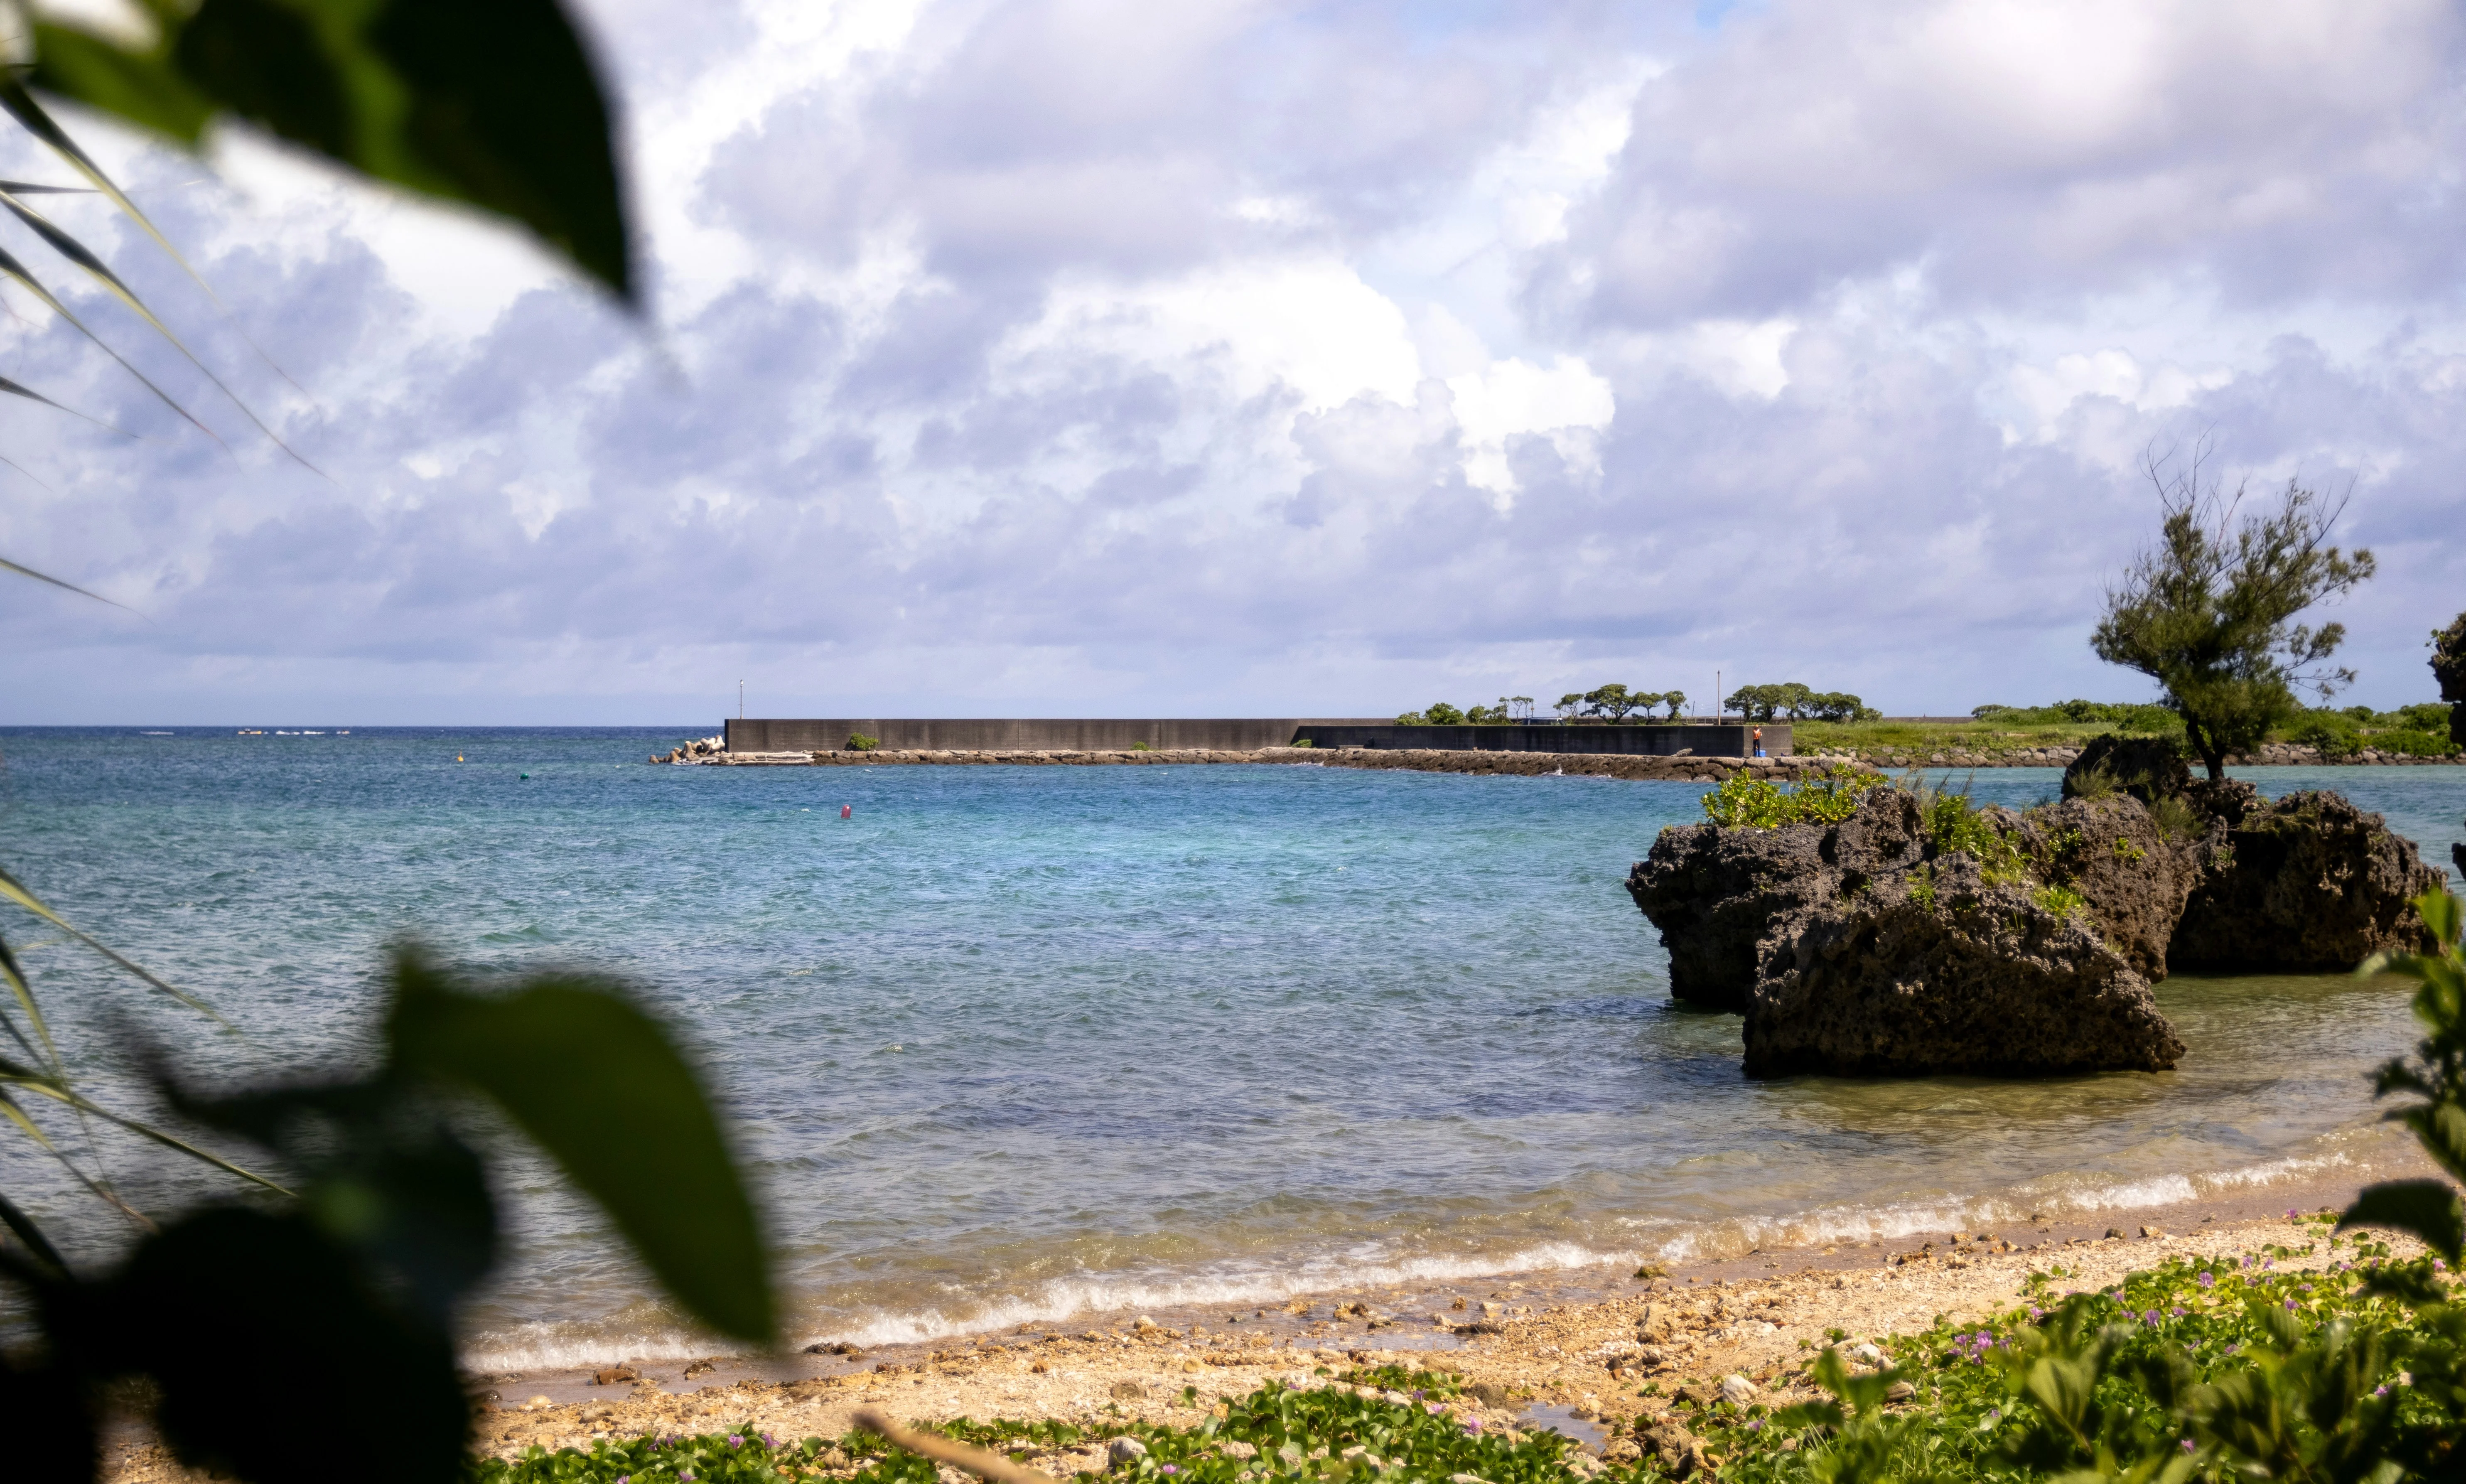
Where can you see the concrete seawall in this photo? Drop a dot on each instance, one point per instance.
(1023, 733)
(1703, 739)
(1608, 765)
(1086, 735)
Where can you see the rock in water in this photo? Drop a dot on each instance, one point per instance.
(2133, 875)
(2146, 768)
(1863, 947)
(1957, 975)
(1715, 892)
(2308, 881)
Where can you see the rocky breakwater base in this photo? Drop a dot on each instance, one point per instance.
(1921, 935)
(708, 753)
(2272, 754)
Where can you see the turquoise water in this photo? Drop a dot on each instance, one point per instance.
(1014, 1041)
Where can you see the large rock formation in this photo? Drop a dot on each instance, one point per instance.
(1868, 946)
(2146, 768)
(1964, 976)
(2132, 873)
(2308, 881)
(1901, 940)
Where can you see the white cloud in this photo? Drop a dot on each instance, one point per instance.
(1250, 356)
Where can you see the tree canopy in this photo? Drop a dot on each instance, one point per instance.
(2208, 610)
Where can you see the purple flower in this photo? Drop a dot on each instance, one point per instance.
(685, 1478)
(1171, 1468)
(2036, 1312)
(736, 1440)
(2380, 1392)
(1472, 1425)
(2151, 1317)
(1755, 1426)
(2188, 1445)
(2437, 1266)
(624, 1478)
(2232, 1348)
(2209, 1280)
(2177, 1311)
(2290, 1306)
(2290, 1211)
(2247, 1259)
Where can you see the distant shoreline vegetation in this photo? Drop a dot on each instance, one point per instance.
(2336, 732)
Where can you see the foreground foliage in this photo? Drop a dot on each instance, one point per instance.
(349, 1289)
(2204, 1368)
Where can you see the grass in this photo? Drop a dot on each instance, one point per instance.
(1970, 737)
(2341, 734)
(2201, 1330)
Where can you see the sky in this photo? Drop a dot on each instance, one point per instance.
(1232, 357)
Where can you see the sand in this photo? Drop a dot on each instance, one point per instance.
(1547, 1339)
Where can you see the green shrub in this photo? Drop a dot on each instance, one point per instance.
(2422, 716)
(2126, 850)
(2334, 734)
(2097, 782)
(2175, 819)
(2413, 743)
(858, 742)
(1954, 826)
(1442, 714)
(2123, 715)
(1744, 800)
(2062, 901)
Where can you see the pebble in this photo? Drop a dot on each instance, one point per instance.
(1122, 1452)
(1737, 1390)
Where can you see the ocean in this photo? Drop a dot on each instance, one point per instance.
(1017, 1043)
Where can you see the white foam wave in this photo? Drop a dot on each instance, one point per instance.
(1084, 1297)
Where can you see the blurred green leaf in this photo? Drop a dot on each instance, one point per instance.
(2424, 1209)
(221, 1304)
(490, 103)
(597, 1083)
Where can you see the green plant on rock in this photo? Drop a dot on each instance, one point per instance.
(2126, 850)
(858, 742)
(1955, 826)
(1744, 800)
(2062, 901)
(2209, 611)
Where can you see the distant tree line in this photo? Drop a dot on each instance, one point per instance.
(1797, 702)
(1616, 704)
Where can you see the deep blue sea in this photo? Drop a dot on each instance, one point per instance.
(1011, 1043)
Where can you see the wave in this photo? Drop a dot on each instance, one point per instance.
(1089, 1298)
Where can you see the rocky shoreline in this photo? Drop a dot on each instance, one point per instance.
(1563, 1348)
(1913, 934)
(708, 753)
(2275, 754)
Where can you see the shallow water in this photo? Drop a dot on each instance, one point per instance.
(1015, 1041)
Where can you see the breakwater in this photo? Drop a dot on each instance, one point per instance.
(1608, 765)
(1023, 733)
(1237, 733)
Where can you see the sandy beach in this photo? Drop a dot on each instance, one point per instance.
(1534, 1349)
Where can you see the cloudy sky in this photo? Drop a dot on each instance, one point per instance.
(1079, 358)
